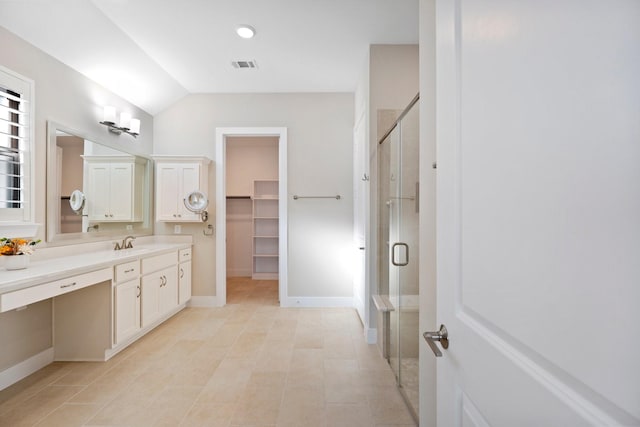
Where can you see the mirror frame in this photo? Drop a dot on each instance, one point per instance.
(53, 216)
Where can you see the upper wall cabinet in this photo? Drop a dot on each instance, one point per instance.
(176, 177)
(112, 188)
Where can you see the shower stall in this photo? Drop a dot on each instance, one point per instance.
(398, 210)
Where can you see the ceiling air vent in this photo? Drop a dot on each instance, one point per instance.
(244, 64)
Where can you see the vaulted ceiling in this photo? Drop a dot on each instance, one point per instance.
(153, 52)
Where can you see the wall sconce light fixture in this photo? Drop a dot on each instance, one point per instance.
(127, 124)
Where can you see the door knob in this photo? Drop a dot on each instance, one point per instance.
(442, 335)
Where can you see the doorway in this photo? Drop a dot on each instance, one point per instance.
(252, 218)
(266, 196)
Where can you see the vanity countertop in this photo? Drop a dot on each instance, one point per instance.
(67, 265)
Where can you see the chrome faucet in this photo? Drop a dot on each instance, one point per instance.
(127, 243)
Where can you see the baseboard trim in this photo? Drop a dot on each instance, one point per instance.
(25, 368)
(359, 305)
(209, 301)
(371, 335)
(318, 302)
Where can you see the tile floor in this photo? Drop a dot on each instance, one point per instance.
(250, 363)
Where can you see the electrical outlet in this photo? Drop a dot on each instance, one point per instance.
(177, 229)
(129, 227)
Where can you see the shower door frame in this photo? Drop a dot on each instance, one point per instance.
(397, 205)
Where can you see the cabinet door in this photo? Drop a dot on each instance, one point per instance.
(127, 296)
(150, 298)
(97, 191)
(184, 282)
(167, 190)
(190, 181)
(120, 197)
(169, 289)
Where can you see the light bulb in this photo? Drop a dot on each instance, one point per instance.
(109, 115)
(246, 31)
(135, 126)
(125, 121)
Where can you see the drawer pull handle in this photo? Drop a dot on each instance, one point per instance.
(138, 294)
(129, 270)
(181, 273)
(68, 285)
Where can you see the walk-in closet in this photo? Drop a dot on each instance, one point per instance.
(252, 208)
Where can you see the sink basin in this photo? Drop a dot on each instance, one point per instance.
(129, 252)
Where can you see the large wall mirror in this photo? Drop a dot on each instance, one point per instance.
(94, 191)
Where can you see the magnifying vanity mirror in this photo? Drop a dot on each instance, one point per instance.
(197, 202)
(94, 191)
(76, 202)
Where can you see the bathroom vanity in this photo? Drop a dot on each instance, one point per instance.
(103, 300)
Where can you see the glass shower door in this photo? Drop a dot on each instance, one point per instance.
(392, 148)
(399, 192)
(407, 257)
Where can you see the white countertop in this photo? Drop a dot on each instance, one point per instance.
(66, 265)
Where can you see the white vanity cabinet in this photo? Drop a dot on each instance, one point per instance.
(111, 188)
(102, 300)
(127, 293)
(184, 275)
(159, 286)
(176, 177)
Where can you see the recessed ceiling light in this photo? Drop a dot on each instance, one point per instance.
(246, 31)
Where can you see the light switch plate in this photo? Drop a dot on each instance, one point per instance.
(177, 229)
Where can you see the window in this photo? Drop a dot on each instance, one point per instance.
(16, 132)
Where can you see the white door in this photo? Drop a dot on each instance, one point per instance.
(98, 191)
(168, 298)
(184, 282)
(127, 309)
(151, 285)
(189, 176)
(121, 197)
(167, 181)
(538, 202)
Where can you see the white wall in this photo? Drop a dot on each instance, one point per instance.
(319, 129)
(69, 98)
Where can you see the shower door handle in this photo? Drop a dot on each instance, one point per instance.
(393, 254)
(442, 335)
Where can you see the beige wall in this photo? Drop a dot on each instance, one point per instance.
(393, 80)
(390, 80)
(72, 164)
(248, 159)
(319, 127)
(69, 98)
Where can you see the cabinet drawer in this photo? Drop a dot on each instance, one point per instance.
(33, 294)
(184, 255)
(158, 262)
(127, 271)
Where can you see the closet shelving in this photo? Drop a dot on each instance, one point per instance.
(265, 229)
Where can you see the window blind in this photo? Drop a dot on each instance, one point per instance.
(15, 146)
(12, 137)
